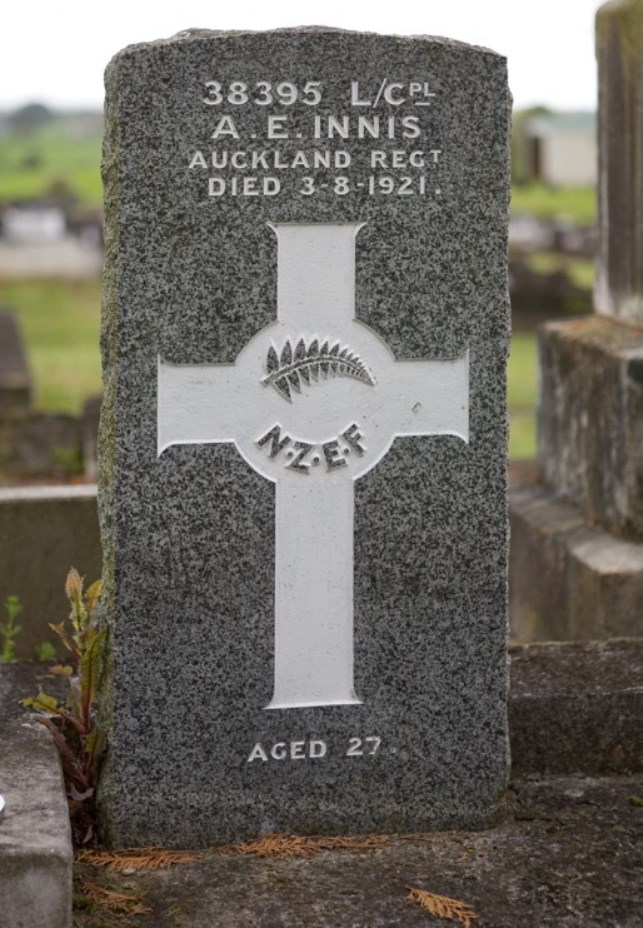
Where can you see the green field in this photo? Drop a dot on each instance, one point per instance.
(581, 271)
(60, 323)
(522, 382)
(575, 203)
(34, 163)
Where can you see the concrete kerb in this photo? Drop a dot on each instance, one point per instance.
(36, 857)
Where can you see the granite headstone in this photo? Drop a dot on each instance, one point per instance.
(303, 440)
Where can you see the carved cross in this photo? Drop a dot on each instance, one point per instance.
(312, 403)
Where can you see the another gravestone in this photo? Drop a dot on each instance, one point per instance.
(619, 51)
(303, 442)
(15, 378)
(577, 539)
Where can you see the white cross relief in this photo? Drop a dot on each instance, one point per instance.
(313, 402)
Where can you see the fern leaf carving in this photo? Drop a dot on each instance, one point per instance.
(289, 368)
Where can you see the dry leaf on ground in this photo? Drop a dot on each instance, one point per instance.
(143, 858)
(129, 903)
(443, 906)
(297, 846)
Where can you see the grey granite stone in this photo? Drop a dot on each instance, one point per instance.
(619, 51)
(569, 581)
(189, 537)
(590, 420)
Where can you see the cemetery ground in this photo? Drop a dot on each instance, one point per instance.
(565, 853)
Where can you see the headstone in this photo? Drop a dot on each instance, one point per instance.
(619, 51)
(303, 438)
(89, 434)
(15, 378)
(577, 538)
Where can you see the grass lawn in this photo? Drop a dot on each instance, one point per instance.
(577, 203)
(30, 163)
(581, 271)
(59, 321)
(522, 378)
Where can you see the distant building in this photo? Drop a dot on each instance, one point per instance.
(33, 223)
(561, 149)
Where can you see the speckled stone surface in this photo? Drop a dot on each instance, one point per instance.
(189, 537)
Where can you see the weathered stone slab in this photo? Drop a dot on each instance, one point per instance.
(577, 708)
(569, 580)
(36, 855)
(590, 419)
(619, 51)
(303, 442)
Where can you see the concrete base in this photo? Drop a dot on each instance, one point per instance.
(577, 708)
(569, 580)
(36, 856)
(590, 420)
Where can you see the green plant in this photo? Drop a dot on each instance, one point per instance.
(9, 630)
(67, 460)
(45, 651)
(73, 722)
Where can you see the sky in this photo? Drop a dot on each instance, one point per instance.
(55, 52)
